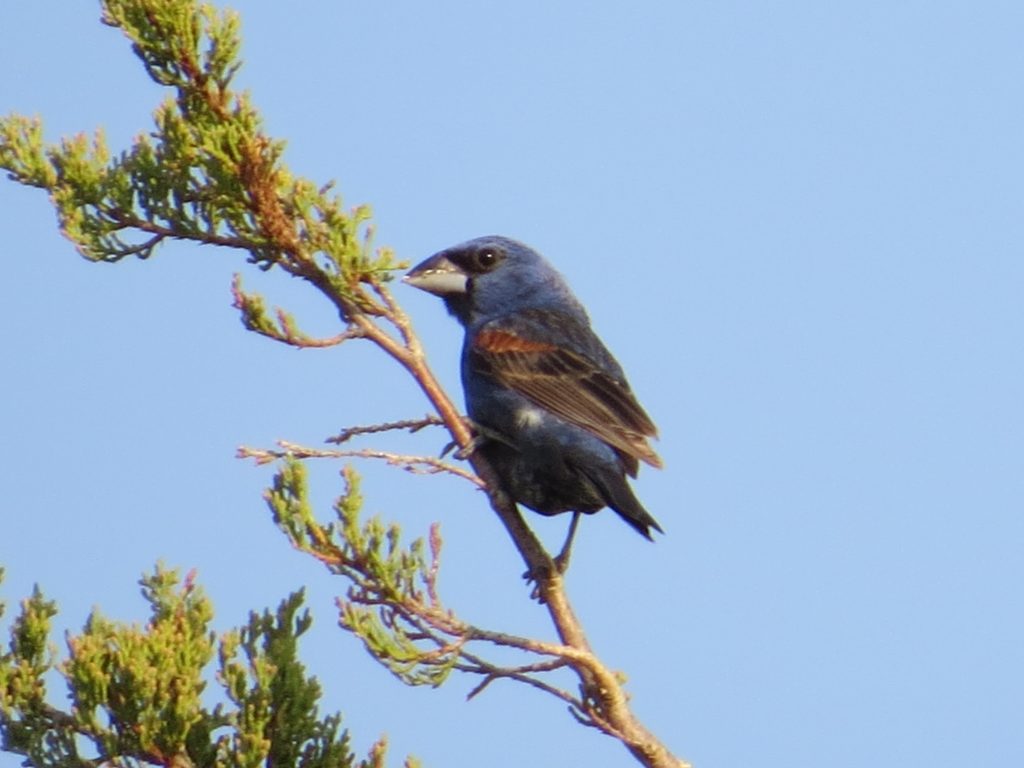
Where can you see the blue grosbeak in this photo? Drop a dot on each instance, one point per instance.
(554, 414)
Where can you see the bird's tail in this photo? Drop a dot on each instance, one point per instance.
(619, 496)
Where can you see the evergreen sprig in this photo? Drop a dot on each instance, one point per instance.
(139, 692)
(208, 173)
(392, 589)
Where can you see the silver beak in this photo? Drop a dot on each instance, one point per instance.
(437, 275)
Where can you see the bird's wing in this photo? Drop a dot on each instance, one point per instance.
(556, 362)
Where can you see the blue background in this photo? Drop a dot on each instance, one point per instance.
(798, 225)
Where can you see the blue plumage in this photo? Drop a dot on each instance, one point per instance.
(555, 414)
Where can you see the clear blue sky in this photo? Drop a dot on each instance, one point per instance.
(797, 224)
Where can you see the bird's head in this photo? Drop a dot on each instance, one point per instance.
(489, 276)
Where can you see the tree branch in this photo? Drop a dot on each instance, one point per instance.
(412, 425)
(214, 177)
(416, 464)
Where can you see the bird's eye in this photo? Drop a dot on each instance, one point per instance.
(486, 259)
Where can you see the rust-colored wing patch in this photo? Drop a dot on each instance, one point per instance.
(497, 342)
(571, 386)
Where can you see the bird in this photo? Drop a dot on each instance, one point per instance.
(552, 411)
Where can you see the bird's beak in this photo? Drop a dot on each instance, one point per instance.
(437, 275)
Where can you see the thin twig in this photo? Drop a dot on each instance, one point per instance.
(534, 682)
(413, 425)
(415, 464)
(421, 465)
(297, 338)
(522, 673)
(435, 564)
(126, 220)
(148, 246)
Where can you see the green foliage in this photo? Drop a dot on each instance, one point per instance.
(391, 603)
(273, 696)
(26, 723)
(206, 173)
(137, 692)
(138, 689)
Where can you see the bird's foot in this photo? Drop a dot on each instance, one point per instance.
(480, 435)
(539, 576)
(471, 447)
(461, 453)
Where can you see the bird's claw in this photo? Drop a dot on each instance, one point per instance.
(539, 576)
(479, 436)
(470, 448)
(463, 452)
(535, 577)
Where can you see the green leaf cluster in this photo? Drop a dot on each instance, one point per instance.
(138, 689)
(138, 693)
(206, 173)
(391, 603)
